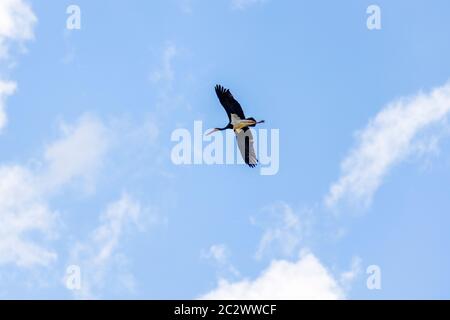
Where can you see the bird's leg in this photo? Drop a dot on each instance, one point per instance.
(248, 122)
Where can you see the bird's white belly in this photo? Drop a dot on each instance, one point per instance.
(238, 124)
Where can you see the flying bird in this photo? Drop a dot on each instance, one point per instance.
(240, 125)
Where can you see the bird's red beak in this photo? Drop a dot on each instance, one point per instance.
(211, 132)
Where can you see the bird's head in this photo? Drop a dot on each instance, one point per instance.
(228, 126)
(213, 130)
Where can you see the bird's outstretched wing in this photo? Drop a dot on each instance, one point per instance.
(245, 144)
(228, 102)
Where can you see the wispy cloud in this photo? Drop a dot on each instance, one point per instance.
(283, 229)
(164, 78)
(99, 253)
(305, 278)
(166, 72)
(348, 277)
(394, 134)
(217, 252)
(170, 93)
(220, 255)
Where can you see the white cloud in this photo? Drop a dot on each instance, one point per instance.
(244, 4)
(388, 139)
(100, 252)
(7, 88)
(26, 220)
(306, 278)
(78, 153)
(17, 22)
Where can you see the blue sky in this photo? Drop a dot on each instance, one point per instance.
(86, 176)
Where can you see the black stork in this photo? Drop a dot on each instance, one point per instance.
(239, 123)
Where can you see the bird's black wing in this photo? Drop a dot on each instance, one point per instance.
(229, 103)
